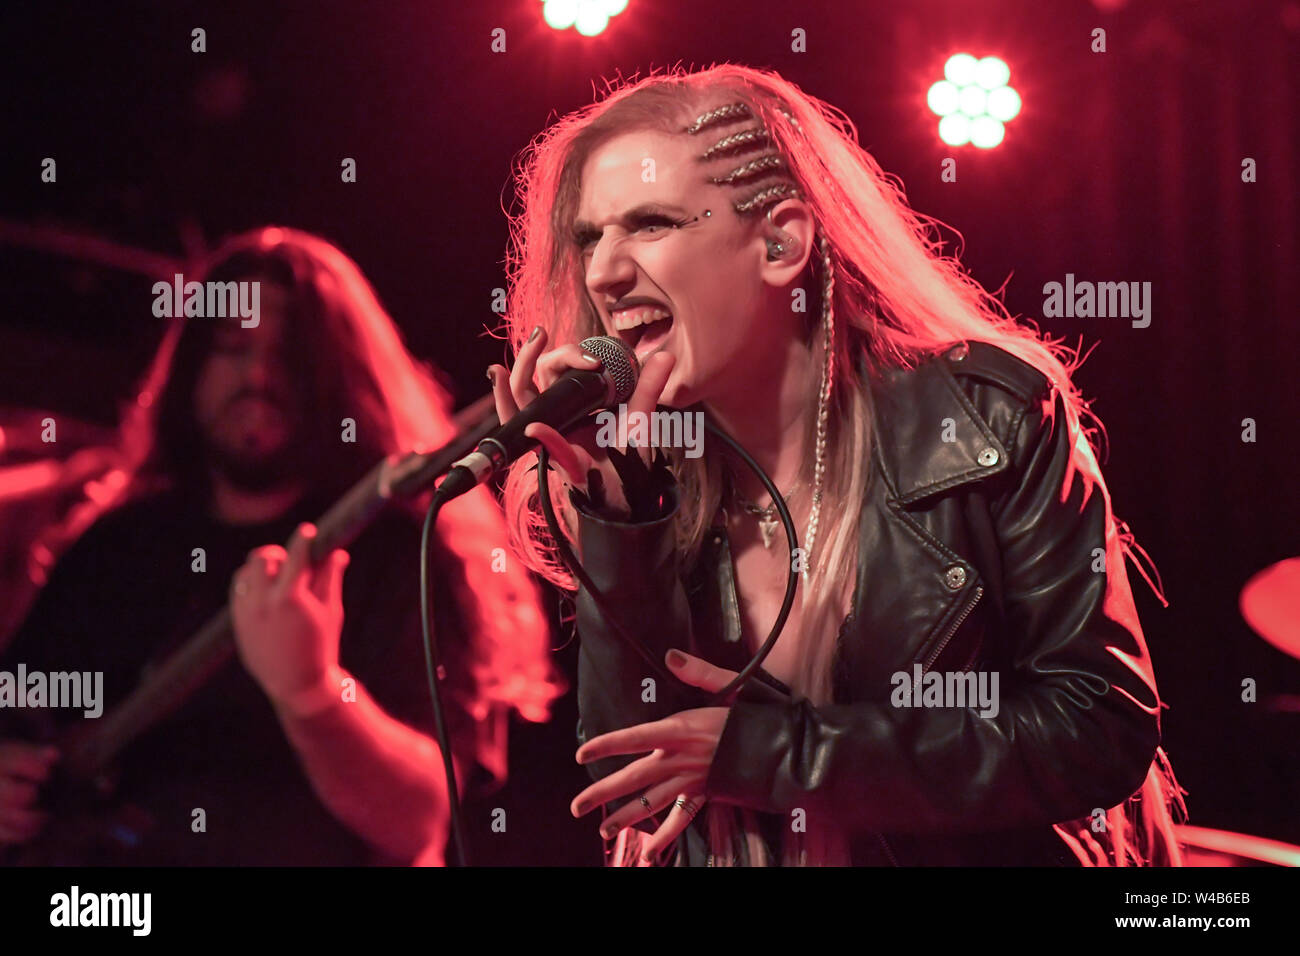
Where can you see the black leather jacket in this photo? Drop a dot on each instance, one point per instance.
(969, 560)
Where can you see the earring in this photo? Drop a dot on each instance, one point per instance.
(785, 244)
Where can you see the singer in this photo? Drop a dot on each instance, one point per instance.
(932, 451)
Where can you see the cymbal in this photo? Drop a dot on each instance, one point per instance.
(1270, 603)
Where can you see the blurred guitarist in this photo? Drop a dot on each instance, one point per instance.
(317, 747)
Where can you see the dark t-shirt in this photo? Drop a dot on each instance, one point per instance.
(126, 594)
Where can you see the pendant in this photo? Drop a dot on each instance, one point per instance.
(767, 524)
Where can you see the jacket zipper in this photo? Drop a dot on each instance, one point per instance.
(952, 628)
(930, 659)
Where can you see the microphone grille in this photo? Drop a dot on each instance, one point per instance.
(619, 363)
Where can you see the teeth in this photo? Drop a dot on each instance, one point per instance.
(626, 319)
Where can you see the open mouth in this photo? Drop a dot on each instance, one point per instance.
(647, 337)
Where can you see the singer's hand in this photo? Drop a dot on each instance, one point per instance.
(579, 454)
(673, 773)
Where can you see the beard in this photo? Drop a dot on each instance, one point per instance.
(250, 466)
(250, 470)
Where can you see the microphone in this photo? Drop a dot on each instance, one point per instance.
(573, 396)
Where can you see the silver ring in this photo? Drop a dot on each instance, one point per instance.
(690, 808)
(645, 802)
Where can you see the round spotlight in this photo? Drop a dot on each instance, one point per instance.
(560, 14)
(592, 18)
(960, 69)
(943, 98)
(954, 129)
(992, 72)
(1003, 104)
(971, 101)
(590, 24)
(986, 132)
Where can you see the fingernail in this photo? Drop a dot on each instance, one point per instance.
(590, 358)
(492, 376)
(537, 329)
(676, 658)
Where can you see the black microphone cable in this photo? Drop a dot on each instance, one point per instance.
(575, 567)
(459, 842)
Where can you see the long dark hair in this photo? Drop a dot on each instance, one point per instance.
(348, 361)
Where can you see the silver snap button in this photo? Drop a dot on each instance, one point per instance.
(959, 352)
(955, 577)
(987, 457)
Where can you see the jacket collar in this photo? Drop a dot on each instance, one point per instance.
(928, 435)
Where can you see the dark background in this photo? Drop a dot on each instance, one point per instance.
(1123, 166)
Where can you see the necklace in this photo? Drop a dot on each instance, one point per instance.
(768, 521)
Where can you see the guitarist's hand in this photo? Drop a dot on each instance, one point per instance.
(23, 768)
(288, 618)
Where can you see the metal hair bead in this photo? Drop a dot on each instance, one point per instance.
(766, 197)
(763, 163)
(736, 142)
(717, 116)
